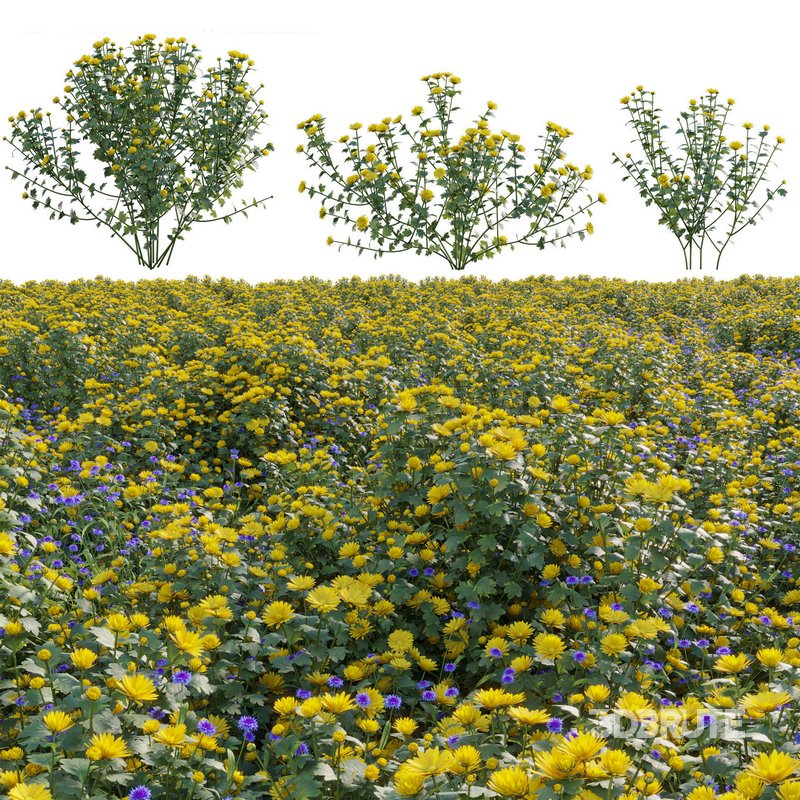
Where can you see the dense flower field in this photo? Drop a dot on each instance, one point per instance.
(457, 539)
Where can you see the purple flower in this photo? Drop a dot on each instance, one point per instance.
(451, 691)
(496, 652)
(249, 724)
(450, 667)
(363, 699)
(579, 656)
(206, 727)
(429, 696)
(393, 701)
(181, 677)
(335, 682)
(140, 793)
(302, 750)
(555, 725)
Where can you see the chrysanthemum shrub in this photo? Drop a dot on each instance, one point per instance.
(376, 540)
(150, 143)
(712, 188)
(428, 189)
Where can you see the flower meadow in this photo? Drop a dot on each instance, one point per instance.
(379, 539)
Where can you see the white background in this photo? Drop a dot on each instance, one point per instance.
(568, 61)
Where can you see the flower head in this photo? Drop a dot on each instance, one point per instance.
(138, 687)
(774, 767)
(277, 613)
(106, 745)
(431, 762)
(30, 791)
(247, 723)
(57, 721)
(513, 782)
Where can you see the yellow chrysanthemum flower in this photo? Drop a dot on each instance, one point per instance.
(138, 688)
(497, 698)
(83, 658)
(597, 692)
(732, 664)
(30, 791)
(701, 793)
(106, 745)
(338, 703)
(529, 716)
(408, 783)
(513, 782)
(277, 614)
(615, 762)
(188, 642)
(519, 632)
(770, 656)
(466, 760)
(774, 767)
(749, 786)
(324, 598)
(613, 644)
(548, 646)
(405, 725)
(760, 704)
(583, 747)
(789, 790)
(432, 761)
(172, 736)
(57, 721)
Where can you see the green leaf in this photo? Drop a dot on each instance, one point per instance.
(104, 636)
(77, 767)
(485, 586)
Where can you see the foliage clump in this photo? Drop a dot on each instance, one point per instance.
(150, 144)
(458, 195)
